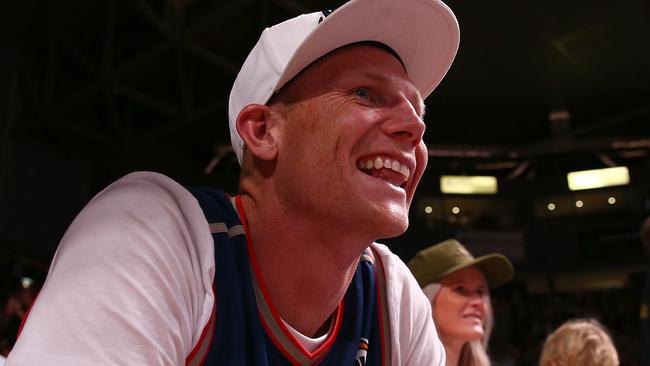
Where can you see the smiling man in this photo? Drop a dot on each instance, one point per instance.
(326, 121)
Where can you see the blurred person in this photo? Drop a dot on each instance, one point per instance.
(579, 342)
(644, 313)
(326, 120)
(13, 313)
(457, 286)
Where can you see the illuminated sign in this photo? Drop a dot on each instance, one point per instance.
(598, 178)
(460, 184)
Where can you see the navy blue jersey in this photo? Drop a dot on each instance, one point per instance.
(245, 329)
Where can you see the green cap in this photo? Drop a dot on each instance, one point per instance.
(435, 262)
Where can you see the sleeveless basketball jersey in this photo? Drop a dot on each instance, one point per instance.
(245, 328)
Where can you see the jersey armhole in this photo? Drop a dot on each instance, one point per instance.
(200, 351)
(382, 302)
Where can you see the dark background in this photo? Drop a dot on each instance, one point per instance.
(91, 90)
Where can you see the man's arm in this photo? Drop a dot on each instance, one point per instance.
(130, 284)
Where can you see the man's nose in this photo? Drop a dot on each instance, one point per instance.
(405, 123)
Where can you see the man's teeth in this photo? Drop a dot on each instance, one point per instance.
(379, 163)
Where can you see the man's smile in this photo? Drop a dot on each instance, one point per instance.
(390, 170)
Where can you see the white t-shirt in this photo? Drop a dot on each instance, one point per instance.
(308, 342)
(131, 284)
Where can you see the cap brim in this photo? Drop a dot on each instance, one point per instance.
(424, 33)
(496, 268)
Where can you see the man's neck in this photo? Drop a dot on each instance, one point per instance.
(306, 266)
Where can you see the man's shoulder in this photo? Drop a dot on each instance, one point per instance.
(409, 313)
(146, 186)
(143, 200)
(400, 282)
(382, 250)
(398, 276)
(389, 260)
(146, 179)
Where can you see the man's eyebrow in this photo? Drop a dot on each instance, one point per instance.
(419, 106)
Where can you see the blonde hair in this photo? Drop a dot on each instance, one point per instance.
(473, 353)
(579, 342)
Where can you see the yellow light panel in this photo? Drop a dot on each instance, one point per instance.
(460, 184)
(598, 178)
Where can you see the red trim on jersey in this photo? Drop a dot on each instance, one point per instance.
(29, 308)
(278, 345)
(324, 347)
(380, 309)
(242, 217)
(338, 320)
(205, 332)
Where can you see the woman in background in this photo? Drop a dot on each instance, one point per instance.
(458, 288)
(579, 342)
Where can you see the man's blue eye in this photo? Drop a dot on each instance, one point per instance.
(362, 93)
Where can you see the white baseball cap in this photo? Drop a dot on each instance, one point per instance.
(424, 33)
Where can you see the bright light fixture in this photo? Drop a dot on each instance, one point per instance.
(460, 184)
(455, 210)
(598, 178)
(428, 209)
(26, 282)
(551, 206)
(611, 200)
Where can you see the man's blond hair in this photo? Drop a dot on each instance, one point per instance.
(579, 342)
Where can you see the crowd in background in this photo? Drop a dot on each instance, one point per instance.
(19, 286)
(523, 319)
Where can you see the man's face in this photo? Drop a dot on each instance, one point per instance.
(351, 149)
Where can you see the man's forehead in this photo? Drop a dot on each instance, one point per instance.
(358, 61)
(350, 58)
(362, 48)
(370, 61)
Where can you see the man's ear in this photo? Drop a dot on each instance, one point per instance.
(256, 128)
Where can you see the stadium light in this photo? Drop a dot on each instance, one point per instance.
(460, 184)
(598, 178)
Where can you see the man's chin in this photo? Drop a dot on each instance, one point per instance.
(381, 220)
(393, 228)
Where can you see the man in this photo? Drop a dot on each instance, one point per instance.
(326, 120)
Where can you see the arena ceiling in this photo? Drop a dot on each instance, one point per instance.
(95, 89)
